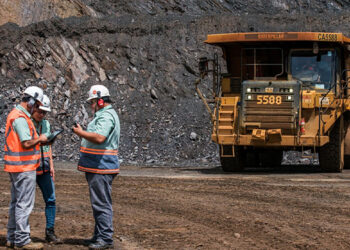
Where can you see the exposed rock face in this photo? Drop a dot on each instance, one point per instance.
(146, 53)
(23, 12)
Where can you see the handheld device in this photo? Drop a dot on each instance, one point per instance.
(52, 137)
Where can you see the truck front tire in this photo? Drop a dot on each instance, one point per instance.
(331, 155)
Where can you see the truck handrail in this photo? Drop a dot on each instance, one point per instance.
(203, 98)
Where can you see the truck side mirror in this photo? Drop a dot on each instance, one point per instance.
(203, 65)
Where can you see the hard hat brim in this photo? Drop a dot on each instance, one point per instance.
(96, 97)
(90, 98)
(45, 109)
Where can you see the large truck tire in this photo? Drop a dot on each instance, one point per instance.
(236, 163)
(331, 155)
(347, 146)
(271, 158)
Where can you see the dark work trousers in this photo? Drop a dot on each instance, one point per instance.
(100, 187)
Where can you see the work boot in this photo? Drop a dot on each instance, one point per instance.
(51, 237)
(31, 245)
(10, 244)
(100, 245)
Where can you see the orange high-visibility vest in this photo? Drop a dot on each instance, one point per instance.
(45, 157)
(18, 159)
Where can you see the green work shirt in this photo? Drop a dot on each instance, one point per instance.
(45, 129)
(20, 125)
(105, 123)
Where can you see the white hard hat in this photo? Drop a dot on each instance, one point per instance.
(35, 92)
(45, 104)
(97, 91)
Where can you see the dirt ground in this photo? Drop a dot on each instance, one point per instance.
(202, 208)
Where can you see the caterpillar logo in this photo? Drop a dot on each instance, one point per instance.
(270, 36)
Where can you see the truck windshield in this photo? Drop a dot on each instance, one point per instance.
(315, 69)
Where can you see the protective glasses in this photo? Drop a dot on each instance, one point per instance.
(42, 112)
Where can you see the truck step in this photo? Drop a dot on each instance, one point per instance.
(226, 116)
(226, 139)
(225, 123)
(227, 105)
(225, 112)
(227, 108)
(225, 127)
(226, 119)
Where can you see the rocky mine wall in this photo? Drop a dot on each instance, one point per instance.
(146, 54)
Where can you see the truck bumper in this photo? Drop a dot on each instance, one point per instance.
(285, 140)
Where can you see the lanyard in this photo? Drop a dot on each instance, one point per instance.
(42, 152)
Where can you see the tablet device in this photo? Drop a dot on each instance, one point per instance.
(53, 136)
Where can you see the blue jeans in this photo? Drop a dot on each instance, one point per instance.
(47, 188)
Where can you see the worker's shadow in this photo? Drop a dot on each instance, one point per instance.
(84, 242)
(75, 242)
(69, 241)
(283, 169)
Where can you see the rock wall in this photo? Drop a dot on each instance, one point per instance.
(147, 54)
(24, 12)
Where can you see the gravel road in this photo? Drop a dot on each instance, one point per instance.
(203, 208)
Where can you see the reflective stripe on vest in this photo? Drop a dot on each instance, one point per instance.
(98, 161)
(17, 158)
(44, 166)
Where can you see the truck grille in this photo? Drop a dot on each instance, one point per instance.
(267, 116)
(269, 105)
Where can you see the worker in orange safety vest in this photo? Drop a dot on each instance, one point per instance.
(22, 157)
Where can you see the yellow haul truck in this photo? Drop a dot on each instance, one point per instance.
(282, 91)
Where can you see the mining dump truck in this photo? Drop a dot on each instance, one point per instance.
(280, 91)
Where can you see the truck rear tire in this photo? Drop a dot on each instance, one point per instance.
(347, 142)
(331, 155)
(234, 164)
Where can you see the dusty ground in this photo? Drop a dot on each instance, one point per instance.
(193, 208)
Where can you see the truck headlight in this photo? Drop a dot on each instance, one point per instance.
(249, 90)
